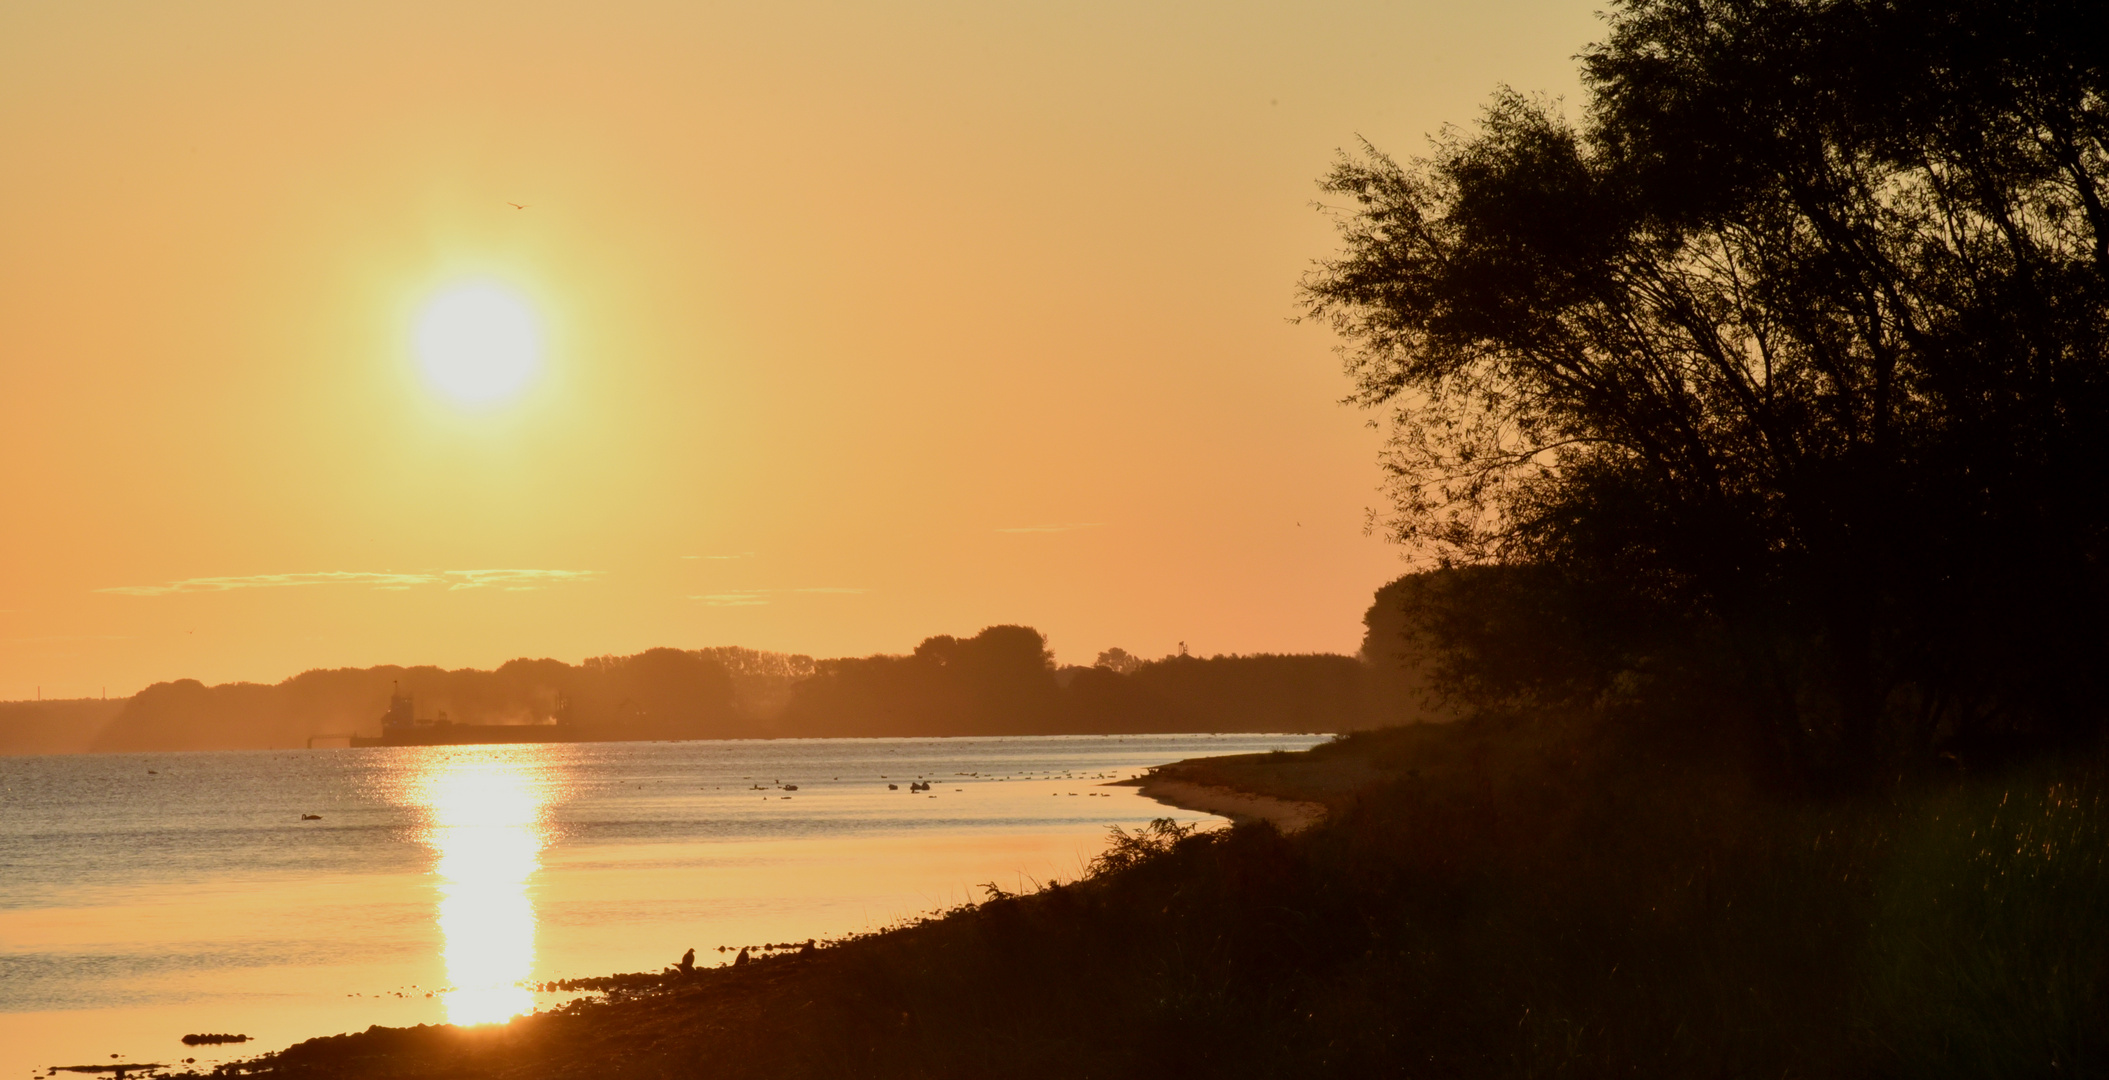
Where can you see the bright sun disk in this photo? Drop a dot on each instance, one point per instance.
(478, 343)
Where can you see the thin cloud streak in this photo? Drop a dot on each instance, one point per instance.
(513, 580)
(509, 580)
(759, 597)
(734, 599)
(1067, 527)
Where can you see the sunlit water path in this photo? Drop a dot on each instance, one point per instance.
(146, 896)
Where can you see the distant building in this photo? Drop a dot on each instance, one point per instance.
(402, 712)
(401, 727)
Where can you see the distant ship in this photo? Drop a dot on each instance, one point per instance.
(401, 727)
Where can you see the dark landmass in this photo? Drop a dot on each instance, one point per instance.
(1492, 898)
(53, 727)
(1001, 681)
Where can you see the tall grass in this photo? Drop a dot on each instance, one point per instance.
(1989, 953)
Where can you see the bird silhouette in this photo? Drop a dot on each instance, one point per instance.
(517, 206)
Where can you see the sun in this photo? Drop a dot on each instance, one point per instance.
(479, 344)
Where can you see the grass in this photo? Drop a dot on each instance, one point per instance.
(1495, 900)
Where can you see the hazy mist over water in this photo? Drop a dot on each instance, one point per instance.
(146, 896)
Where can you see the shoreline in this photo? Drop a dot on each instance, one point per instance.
(1286, 815)
(633, 1015)
(647, 1022)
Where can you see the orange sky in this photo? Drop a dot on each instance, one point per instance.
(862, 322)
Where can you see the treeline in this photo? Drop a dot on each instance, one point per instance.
(1001, 681)
(660, 693)
(1768, 391)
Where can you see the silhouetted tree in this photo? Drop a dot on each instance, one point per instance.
(1795, 341)
(1000, 681)
(1264, 692)
(761, 681)
(1119, 661)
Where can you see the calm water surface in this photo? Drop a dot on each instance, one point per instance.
(145, 896)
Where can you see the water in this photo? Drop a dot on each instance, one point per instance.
(146, 896)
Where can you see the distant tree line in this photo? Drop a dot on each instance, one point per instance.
(1000, 681)
(1775, 379)
(1003, 681)
(659, 693)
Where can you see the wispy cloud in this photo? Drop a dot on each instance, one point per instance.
(758, 597)
(1071, 526)
(508, 580)
(741, 555)
(749, 598)
(512, 580)
(275, 581)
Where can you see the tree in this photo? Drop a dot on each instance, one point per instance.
(1119, 661)
(1795, 339)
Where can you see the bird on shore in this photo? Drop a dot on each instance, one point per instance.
(688, 962)
(740, 959)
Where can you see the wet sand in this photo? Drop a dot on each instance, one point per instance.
(1288, 815)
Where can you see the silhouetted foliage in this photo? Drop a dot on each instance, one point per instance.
(1001, 681)
(761, 681)
(1125, 850)
(1409, 678)
(1505, 637)
(1264, 692)
(658, 693)
(1792, 348)
(1118, 661)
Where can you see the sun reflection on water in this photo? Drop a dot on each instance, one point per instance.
(487, 824)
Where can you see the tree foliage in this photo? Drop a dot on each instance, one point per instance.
(1793, 342)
